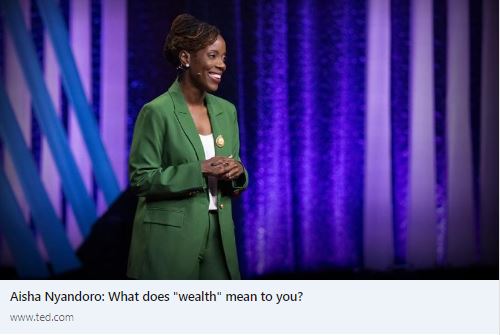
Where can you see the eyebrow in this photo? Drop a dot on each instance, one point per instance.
(214, 50)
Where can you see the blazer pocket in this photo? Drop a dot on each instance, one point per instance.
(167, 217)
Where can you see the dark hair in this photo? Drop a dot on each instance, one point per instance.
(190, 34)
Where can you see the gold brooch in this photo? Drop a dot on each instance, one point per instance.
(219, 141)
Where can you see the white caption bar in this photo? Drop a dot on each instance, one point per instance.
(249, 307)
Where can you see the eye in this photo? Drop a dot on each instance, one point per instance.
(211, 56)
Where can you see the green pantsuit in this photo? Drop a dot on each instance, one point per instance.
(171, 220)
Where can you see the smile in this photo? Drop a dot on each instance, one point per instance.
(215, 76)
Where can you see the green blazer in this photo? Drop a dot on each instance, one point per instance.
(165, 170)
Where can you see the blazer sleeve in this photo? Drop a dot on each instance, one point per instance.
(148, 176)
(241, 182)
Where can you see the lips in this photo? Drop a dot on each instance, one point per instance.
(215, 76)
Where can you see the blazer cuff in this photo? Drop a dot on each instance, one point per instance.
(241, 182)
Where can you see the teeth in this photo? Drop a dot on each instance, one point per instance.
(216, 76)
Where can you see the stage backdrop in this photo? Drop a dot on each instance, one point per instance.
(369, 128)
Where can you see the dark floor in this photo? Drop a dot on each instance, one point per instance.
(104, 256)
(472, 273)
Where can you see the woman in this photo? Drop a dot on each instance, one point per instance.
(184, 163)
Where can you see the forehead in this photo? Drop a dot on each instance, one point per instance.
(219, 45)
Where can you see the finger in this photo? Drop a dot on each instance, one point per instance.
(219, 171)
(229, 161)
(232, 173)
(236, 171)
(217, 160)
(226, 162)
(227, 169)
(235, 165)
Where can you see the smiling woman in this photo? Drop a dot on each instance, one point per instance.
(185, 167)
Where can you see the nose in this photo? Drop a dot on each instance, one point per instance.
(221, 65)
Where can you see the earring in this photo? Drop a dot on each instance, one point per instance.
(182, 67)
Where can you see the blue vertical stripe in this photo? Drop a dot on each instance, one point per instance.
(64, 4)
(38, 38)
(440, 74)
(249, 45)
(346, 150)
(400, 81)
(38, 41)
(96, 27)
(274, 119)
(302, 85)
(260, 254)
(96, 72)
(475, 50)
(240, 206)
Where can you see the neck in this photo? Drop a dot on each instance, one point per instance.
(193, 95)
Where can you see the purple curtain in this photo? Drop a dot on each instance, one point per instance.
(348, 172)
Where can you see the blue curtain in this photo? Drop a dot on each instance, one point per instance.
(297, 73)
(303, 85)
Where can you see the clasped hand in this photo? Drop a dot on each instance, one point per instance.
(225, 168)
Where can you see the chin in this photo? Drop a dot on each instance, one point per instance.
(212, 89)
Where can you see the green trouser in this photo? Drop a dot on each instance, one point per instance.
(212, 262)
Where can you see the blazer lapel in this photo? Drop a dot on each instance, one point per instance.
(186, 120)
(215, 113)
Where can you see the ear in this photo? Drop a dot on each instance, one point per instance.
(184, 57)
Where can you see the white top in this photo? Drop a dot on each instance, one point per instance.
(209, 149)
